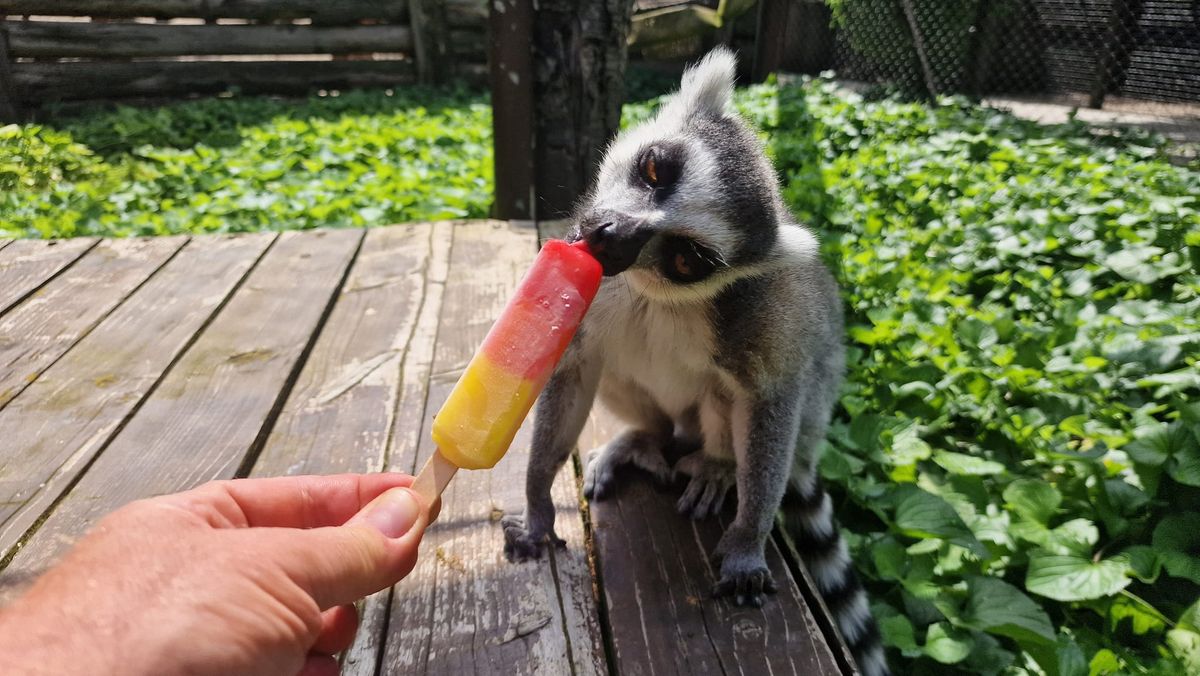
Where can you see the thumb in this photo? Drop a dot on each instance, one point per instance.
(374, 549)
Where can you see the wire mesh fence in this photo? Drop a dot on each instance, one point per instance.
(1140, 55)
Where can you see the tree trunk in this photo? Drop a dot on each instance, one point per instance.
(579, 72)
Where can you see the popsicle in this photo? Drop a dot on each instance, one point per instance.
(476, 425)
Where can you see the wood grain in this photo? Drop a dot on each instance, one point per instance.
(106, 40)
(363, 657)
(657, 570)
(26, 264)
(35, 334)
(339, 413)
(65, 418)
(465, 609)
(209, 411)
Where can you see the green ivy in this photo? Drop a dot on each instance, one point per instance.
(363, 158)
(1016, 456)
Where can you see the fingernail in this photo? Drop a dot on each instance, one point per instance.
(392, 513)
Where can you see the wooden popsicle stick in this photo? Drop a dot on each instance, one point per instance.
(434, 477)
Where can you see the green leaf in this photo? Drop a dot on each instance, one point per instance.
(1033, 499)
(897, 632)
(1177, 542)
(1144, 562)
(1184, 639)
(946, 644)
(999, 608)
(1074, 577)
(924, 515)
(1143, 619)
(960, 463)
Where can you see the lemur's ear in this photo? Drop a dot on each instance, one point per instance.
(707, 87)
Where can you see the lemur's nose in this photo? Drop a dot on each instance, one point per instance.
(616, 243)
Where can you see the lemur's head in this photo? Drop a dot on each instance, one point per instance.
(688, 198)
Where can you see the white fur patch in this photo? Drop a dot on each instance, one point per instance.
(854, 621)
(830, 570)
(820, 522)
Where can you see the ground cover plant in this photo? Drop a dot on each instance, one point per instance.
(1017, 452)
(361, 158)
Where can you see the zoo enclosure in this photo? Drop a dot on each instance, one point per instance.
(1081, 52)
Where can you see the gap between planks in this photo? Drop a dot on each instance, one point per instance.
(27, 264)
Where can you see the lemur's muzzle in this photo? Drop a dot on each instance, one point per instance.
(615, 239)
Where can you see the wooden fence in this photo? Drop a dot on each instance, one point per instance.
(56, 50)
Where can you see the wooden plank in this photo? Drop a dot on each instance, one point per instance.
(64, 419)
(34, 335)
(363, 657)
(320, 11)
(205, 417)
(658, 568)
(27, 264)
(338, 416)
(45, 82)
(464, 609)
(428, 19)
(107, 40)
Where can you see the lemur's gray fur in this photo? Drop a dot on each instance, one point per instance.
(717, 324)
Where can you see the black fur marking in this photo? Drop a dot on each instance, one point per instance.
(868, 637)
(684, 261)
(747, 199)
(839, 597)
(811, 545)
(669, 160)
(794, 500)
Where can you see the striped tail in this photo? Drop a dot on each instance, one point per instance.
(808, 519)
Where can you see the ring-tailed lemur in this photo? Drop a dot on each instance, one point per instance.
(716, 323)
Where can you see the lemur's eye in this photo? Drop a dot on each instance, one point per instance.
(684, 261)
(656, 169)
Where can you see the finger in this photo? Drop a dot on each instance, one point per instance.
(338, 626)
(373, 551)
(320, 665)
(288, 502)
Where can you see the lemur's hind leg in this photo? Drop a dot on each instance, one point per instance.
(641, 445)
(712, 468)
(561, 412)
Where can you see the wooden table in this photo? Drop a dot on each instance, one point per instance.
(132, 368)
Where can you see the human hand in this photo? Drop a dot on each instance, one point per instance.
(253, 576)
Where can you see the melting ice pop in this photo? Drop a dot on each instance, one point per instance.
(486, 408)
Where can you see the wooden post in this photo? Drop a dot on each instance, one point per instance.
(8, 95)
(770, 37)
(579, 86)
(511, 58)
(428, 18)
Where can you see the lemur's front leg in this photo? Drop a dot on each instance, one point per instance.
(764, 437)
(561, 413)
(711, 468)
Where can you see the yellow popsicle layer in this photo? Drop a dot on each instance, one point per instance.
(478, 422)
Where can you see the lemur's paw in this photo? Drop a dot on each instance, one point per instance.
(521, 545)
(709, 485)
(745, 581)
(655, 464)
(599, 477)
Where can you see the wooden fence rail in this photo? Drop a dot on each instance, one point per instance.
(86, 49)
